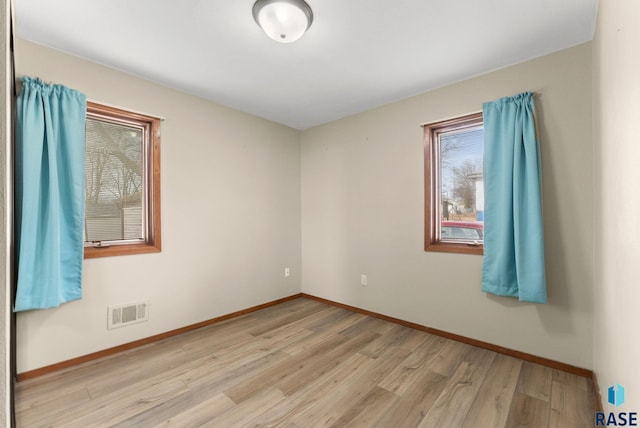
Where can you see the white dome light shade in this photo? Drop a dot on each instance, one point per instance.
(284, 21)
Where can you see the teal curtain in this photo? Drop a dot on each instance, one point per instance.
(50, 152)
(513, 262)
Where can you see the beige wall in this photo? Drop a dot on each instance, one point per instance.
(230, 218)
(617, 199)
(231, 186)
(362, 213)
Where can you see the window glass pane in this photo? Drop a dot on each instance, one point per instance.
(115, 201)
(461, 185)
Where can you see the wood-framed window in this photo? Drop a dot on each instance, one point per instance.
(454, 194)
(122, 193)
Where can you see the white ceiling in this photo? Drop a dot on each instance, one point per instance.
(358, 54)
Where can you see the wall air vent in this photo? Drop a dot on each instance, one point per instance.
(130, 313)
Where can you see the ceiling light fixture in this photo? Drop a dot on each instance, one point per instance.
(284, 21)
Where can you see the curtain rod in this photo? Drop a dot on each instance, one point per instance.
(126, 108)
(17, 81)
(422, 125)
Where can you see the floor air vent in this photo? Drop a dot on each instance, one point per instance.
(130, 313)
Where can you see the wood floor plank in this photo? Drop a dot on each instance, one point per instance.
(312, 393)
(271, 342)
(449, 358)
(329, 409)
(574, 381)
(569, 408)
(121, 404)
(309, 341)
(199, 414)
(205, 382)
(527, 411)
(240, 391)
(292, 315)
(51, 408)
(492, 403)
(453, 404)
(391, 338)
(247, 412)
(402, 377)
(105, 383)
(283, 309)
(368, 323)
(80, 376)
(305, 364)
(418, 397)
(218, 374)
(368, 410)
(32, 396)
(310, 369)
(535, 381)
(215, 342)
(324, 319)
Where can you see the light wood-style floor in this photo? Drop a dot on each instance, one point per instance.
(305, 364)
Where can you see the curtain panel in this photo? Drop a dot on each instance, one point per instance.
(513, 263)
(50, 165)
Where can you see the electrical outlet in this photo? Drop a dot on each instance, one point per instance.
(363, 280)
(287, 272)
